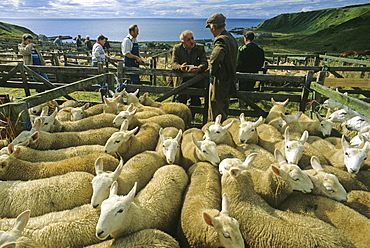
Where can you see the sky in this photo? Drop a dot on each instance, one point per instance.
(262, 9)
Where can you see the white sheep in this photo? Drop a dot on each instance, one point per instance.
(176, 108)
(341, 115)
(244, 131)
(15, 169)
(293, 149)
(201, 201)
(318, 127)
(228, 163)
(69, 228)
(165, 120)
(36, 110)
(72, 113)
(143, 238)
(195, 149)
(352, 225)
(46, 195)
(354, 157)
(34, 155)
(357, 123)
(44, 140)
(218, 133)
(264, 226)
(277, 109)
(169, 144)
(51, 124)
(139, 169)
(156, 206)
(15, 235)
(127, 144)
(325, 184)
(133, 99)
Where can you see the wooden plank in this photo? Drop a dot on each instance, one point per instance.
(270, 77)
(354, 61)
(11, 73)
(354, 103)
(347, 82)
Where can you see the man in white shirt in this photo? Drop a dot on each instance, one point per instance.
(130, 51)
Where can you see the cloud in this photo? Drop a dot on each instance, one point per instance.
(162, 8)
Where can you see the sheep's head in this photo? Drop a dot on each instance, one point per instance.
(248, 129)
(16, 232)
(216, 131)
(226, 227)
(127, 114)
(326, 183)
(294, 148)
(114, 210)
(102, 182)
(206, 150)
(356, 123)
(171, 146)
(354, 157)
(119, 139)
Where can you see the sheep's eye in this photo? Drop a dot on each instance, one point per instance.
(287, 147)
(346, 153)
(120, 211)
(218, 132)
(227, 235)
(365, 158)
(296, 179)
(204, 151)
(117, 141)
(253, 130)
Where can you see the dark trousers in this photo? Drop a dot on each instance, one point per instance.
(246, 85)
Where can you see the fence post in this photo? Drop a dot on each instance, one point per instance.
(320, 80)
(24, 80)
(305, 91)
(120, 72)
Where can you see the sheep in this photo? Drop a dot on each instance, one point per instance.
(360, 138)
(201, 201)
(218, 133)
(127, 144)
(357, 123)
(194, 149)
(68, 104)
(359, 200)
(341, 115)
(263, 226)
(158, 205)
(72, 113)
(175, 108)
(143, 238)
(244, 131)
(44, 140)
(46, 195)
(51, 124)
(326, 184)
(169, 144)
(36, 110)
(318, 127)
(351, 224)
(12, 168)
(140, 169)
(133, 99)
(277, 108)
(228, 163)
(293, 149)
(165, 120)
(34, 155)
(15, 235)
(353, 157)
(69, 228)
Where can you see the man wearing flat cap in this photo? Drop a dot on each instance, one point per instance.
(222, 67)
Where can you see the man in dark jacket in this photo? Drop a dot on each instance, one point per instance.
(222, 67)
(189, 56)
(251, 58)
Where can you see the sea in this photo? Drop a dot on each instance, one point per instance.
(150, 29)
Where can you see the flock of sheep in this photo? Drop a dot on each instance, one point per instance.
(137, 175)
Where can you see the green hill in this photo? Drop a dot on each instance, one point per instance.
(326, 30)
(10, 30)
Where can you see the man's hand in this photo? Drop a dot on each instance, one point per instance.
(184, 67)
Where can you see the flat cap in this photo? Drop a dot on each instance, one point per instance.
(215, 18)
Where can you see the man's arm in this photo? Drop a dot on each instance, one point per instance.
(25, 50)
(217, 56)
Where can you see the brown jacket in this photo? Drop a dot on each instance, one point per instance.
(25, 50)
(223, 66)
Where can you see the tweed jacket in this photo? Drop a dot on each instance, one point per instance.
(26, 50)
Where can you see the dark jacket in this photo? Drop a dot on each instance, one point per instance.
(197, 57)
(250, 58)
(223, 66)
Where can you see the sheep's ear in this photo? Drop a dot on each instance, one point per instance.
(279, 172)
(35, 136)
(11, 148)
(124, 126)
(249, 160)
(318, 116)
(37, 124)
(273, 101)
(133, 131)
(118, 170)
(366, 147)
(136, 92)
(241, 118)
(117, 98)
(286, 102)
(145, 95)
(304, 137)
(106, 101)
(131, 194)
(99, 166)
(208, 219)
(179, 136)
(345, 143)
(44, 111)
(279, 157)
(207, 135)
(298, 115)
(16, 152)
(111, 92)
(196, 142)
(54, 114)
(287, 135)
(9, 245)
(113, 189)
(315, 163)
(161, 135)
(22, 221)
(85, 106)
(234, 172)
(225, 204)
(227, 127)
(218, 119)
(259, 121)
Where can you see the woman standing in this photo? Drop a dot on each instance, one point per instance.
(98, 53)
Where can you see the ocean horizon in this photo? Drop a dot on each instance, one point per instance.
(150, 29)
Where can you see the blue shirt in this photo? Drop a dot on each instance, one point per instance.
(35, 57)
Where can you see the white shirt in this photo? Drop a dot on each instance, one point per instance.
(127, 45)
(98, 54)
